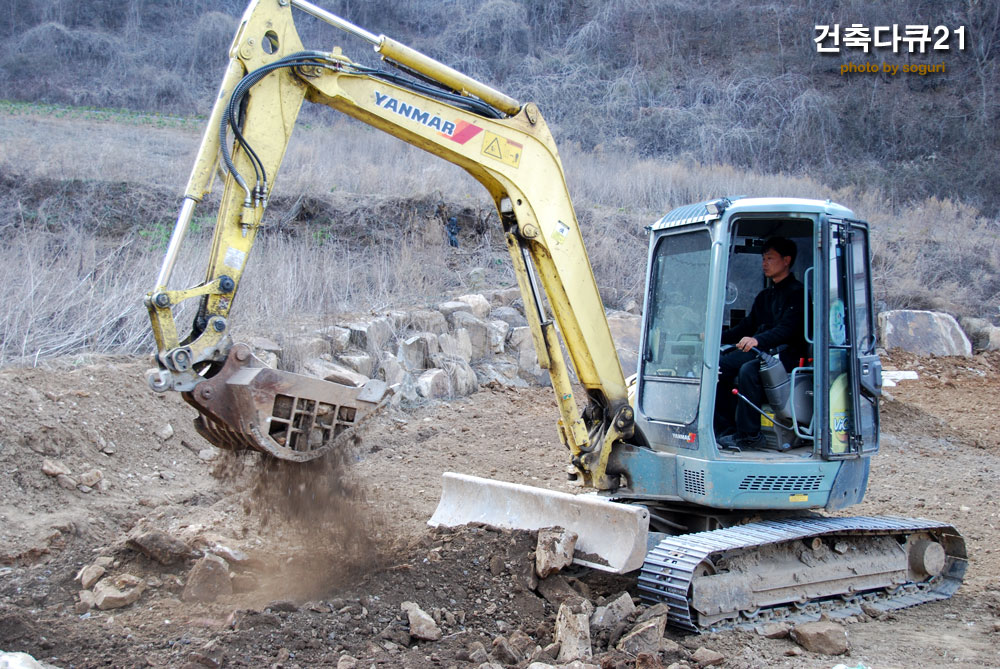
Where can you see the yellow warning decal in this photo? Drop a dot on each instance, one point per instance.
(502, 149)
(798, 498)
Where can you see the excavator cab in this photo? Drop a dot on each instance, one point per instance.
(820, 420)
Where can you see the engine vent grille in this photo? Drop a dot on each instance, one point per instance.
(781, 483)
(694, 481)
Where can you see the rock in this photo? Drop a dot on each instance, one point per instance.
(428, 320)
(160, 546)
(773, 630)
(625, 331)
(499, 372)
(463, 379)
(823, 636)
(231, 555)
(554, 550)
(541, 665)
(67, 482)
(872, 612)
(556, 591)
(114, 593)
(347, 662)
(572, 631)
(285, 605)
(331, 371)
(479, 332)
(449, 308)
(391, 370)
(55, 468)
(362, 363)
(304, 348)
(208, 454)
(422, 626)
(612, 613)
(521, 345)
(414, 351)
(648, 661)
(90, 575)
(479, 305)
(504, 652)
(208, 580)
(434, 384)
(660, 609)
(456, 345)
(476, 276)
(18, 660)
(644, 637)
(522, 643)
(87, 600)
(922, 332)
(371, 336)
(497, 331)
(706, 657)
(338, 337)
(510, 316)
(165, 432)
(91, 478)
(264, 344)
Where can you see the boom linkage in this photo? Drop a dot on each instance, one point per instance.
(503, 144)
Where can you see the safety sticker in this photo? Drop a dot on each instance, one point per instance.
(560, 233)
(798, 498)
(502, 149)
(235, 258)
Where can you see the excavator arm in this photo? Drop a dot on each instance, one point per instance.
(503, 144)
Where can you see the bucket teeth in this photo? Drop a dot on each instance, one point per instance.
(287, 416)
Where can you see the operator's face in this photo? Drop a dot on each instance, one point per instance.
(775, 265)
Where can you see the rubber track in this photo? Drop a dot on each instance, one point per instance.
(669, 568)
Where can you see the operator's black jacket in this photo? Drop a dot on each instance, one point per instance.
(775, 319)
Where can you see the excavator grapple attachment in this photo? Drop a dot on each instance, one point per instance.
(287, 416)
(611, 537)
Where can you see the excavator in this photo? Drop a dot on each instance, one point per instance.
(723, 536)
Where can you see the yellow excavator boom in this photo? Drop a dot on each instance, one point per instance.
(503, 144)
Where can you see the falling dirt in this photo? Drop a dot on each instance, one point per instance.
(323, 557)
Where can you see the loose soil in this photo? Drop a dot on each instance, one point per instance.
(325, 555)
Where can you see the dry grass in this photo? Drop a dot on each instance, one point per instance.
(77, 258)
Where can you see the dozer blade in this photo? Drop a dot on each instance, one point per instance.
(612, 536)
(287, 416)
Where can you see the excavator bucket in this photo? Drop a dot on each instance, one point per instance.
(287, 416)
(611, 536)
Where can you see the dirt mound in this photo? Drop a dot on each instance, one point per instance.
(322, 561)
(951, 396)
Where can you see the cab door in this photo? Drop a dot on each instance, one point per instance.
(847, 367)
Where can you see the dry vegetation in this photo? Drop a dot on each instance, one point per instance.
(715, 81)
(650, 113)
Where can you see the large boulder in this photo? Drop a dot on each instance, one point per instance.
(208, 580)
(371, 336)
(114, 593)
(457, 345)
(923, 332)
(462, 376)
(479, 304)
(434, 384)
(479, 333)
(428, 320)
(572, 631)
(822, 636)
(984, 335)
(626, 329)
(331, 371)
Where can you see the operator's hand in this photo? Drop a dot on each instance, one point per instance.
(746, 344)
